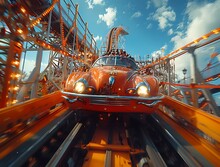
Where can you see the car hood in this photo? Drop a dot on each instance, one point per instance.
(99, 78)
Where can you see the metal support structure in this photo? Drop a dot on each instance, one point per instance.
(37, 72)
(49, 25)
(196, 77)
(64, 70)
(85, 42)
(76, 29)
(10, 82)
(169, 76)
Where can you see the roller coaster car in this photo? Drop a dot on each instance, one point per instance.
(112, 84)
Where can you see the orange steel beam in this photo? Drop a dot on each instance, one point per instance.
(208, 123)
(192, 85)
(171, 109)
(12, 115)
(100, 158)
(204, 37)
(39, 18)
(14, 54)
(31, 131)
(104, 147)
(200, 144)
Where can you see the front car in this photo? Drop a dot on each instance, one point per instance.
(113, 84)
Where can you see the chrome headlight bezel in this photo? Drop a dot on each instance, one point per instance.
(80, 86)
(143, 89)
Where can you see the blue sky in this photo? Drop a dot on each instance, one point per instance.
(151, 24)
(154, 25)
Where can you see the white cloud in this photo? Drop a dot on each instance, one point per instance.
(30, 65)
(202, 18)
(148, 4)
(98, 2)
(164, 47)
(149, 26)
(159, 3)
(159, 53)
(170, 32)
(109, 17)
(164, 15)
(91, 3)
(136, 15)
(180, 26)
(98, 38)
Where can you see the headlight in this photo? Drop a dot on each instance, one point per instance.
(80, 85)
(143, 89)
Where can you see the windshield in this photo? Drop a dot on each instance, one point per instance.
(116, 61)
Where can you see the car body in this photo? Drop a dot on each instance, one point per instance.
(112, 84)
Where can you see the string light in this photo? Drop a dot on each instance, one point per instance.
(37, 21)
(20, 31)
(14, 101)
(204, 37)
(195, 41)
(23, 10)
(16, 63)
(216, 31)
(15, 88)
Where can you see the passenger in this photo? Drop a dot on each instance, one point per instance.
(120, 52)
(117, 52)
(124, 54)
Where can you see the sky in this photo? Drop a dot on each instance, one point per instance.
(153, 25)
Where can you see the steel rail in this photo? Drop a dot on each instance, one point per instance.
(108, 157)
(160, 97)
(152, 151)
(60, 153)
(171, 136)
(198, 131)
(207, 123)
(175, 53)
(28, 142)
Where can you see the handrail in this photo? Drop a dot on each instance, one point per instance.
(207, 123)
(32, 109)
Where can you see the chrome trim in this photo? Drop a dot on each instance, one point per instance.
(143, 84)
(150, 104)
(135, 72)
(111, 80)
(70, 100)
(111, 102)
(160, 97)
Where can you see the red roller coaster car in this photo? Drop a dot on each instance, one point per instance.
(113, 84)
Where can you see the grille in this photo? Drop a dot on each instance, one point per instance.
(112, 102)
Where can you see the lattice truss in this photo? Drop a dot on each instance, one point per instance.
(52, 26)
(198, 86)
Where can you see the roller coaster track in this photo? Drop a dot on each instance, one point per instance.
(45, 132)
(112, 39)
(42, 25)
(55, 135)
